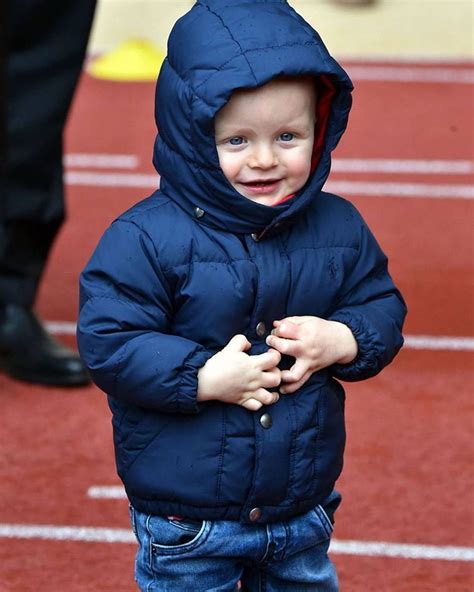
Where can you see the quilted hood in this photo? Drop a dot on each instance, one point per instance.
(217, 47)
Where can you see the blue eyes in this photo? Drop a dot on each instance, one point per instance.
(239, 140)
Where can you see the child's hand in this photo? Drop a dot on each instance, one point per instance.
(233, 376)
(315, 343)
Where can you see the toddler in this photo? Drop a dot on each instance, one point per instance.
(220, 313)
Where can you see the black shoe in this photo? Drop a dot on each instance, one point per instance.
(29, 353)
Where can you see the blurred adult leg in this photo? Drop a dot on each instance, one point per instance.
(45, 46)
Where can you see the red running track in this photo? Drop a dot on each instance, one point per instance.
(408, 472)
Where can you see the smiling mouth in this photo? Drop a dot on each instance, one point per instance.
(260, 182)
(261, 186)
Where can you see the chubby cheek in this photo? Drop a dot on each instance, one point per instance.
(298, 168)
(230, 165)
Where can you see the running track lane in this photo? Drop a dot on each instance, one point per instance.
(409, 451)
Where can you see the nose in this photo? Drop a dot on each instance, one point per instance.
(262, 157)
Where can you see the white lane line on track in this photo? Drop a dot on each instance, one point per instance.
(106, 492)
(359, 188)
(402, 166)
(403, 551)
(439, 343)
(377, 189)
(92, 179)
(88, 534)
(411, 74)
(61, 327)
(91, 534)
(431, 342)
(351, 165)
(101, 161)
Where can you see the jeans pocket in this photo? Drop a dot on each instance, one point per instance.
(171, 536)
(320, 526)
(324, 518)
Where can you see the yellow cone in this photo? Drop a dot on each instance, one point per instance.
(136, 60)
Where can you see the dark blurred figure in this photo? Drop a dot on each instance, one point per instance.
(43, 48)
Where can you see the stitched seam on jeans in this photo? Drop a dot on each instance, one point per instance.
(322, 520)
(150, 551)
(265, 555)
(177, 550)
(326, 519)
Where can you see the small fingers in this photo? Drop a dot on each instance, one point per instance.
(268, 360)
(271, 378)
(267, 397)
(260, 397)
(295, 377)
(289, 388)
(238, 343)
(286, 328)
(252, 404)
(285, 346)
(295, 373)
(288, 377)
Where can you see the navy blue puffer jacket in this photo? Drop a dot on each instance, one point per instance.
(180, 273)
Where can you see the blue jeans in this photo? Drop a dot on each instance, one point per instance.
(223, 555)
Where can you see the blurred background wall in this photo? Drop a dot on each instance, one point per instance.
(389, 28)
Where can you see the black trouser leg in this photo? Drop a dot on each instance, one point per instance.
(46, 42)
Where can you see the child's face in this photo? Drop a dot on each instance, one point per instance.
(264, 138)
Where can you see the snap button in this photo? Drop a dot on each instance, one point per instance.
(260, 329)
(199, 212)
(255, 514)
(254, 236)
(266, 421)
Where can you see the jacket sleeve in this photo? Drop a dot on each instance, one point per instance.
(124, 326)
(372, 307)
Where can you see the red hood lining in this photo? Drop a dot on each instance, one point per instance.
(325, 92)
